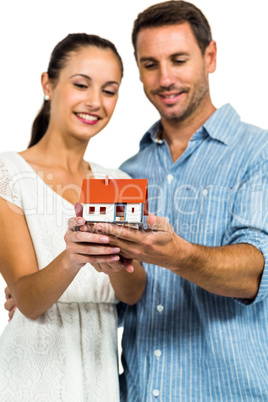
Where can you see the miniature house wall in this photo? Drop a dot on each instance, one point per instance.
(115, 200)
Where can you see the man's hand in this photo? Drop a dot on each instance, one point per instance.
(9, 304)
(158, 244)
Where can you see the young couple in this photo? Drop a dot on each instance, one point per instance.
(190, 298)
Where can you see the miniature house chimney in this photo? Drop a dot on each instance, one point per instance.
(106, 180)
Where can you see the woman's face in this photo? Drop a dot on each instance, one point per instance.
(85, 95)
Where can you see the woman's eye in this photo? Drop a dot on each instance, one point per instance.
(110, 93)
(80, 85)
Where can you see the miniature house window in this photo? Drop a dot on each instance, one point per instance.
(133, 210)
(103, 210)
(91, 210)
(120, 211)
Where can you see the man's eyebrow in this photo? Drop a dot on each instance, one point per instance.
(144, 59)
(179, 54)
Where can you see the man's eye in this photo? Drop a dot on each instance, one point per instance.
(179, 61)
(149, 66)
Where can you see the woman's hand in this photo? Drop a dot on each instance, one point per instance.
(83, 246)
(109, 268)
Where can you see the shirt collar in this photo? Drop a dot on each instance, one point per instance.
(223, 124)
(220, 126)
(152, 135)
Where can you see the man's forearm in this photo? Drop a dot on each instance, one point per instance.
(232, 271)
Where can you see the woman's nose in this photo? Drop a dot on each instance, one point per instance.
(93, 99)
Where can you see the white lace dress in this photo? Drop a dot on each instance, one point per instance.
(70, 353)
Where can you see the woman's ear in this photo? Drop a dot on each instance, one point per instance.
(46, 85)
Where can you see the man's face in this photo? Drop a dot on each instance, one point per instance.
(173, 70)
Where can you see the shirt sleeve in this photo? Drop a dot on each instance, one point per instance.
(249, 223)
(9, 188)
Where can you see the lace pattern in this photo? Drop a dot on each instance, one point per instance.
(8, 189)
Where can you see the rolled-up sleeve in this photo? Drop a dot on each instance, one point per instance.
(249, 212)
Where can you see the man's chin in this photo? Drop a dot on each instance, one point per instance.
(173, 117)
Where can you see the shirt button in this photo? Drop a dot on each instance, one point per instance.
(205, 192)
(157, 353)
(169, 178)
(156, 392)
(160, 308)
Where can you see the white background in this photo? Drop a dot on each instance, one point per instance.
(30, 29)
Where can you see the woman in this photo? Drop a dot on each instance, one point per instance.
(61, 343)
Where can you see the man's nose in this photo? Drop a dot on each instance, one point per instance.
(166, 78)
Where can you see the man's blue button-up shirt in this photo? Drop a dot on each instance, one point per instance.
(182, 343)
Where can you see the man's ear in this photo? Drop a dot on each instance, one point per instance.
(46, 84)
(211, 57)
(137, 62)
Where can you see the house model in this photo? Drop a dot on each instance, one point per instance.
(121, 201)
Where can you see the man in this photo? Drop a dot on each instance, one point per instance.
(199, 332)
(200, 329)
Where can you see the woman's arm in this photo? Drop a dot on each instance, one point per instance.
(127, 277)
(128, 284)
(33, 290)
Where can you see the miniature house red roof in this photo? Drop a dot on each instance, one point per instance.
(111, 191)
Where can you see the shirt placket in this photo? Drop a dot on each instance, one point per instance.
(170, 180)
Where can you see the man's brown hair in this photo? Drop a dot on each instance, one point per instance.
(171, 13)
